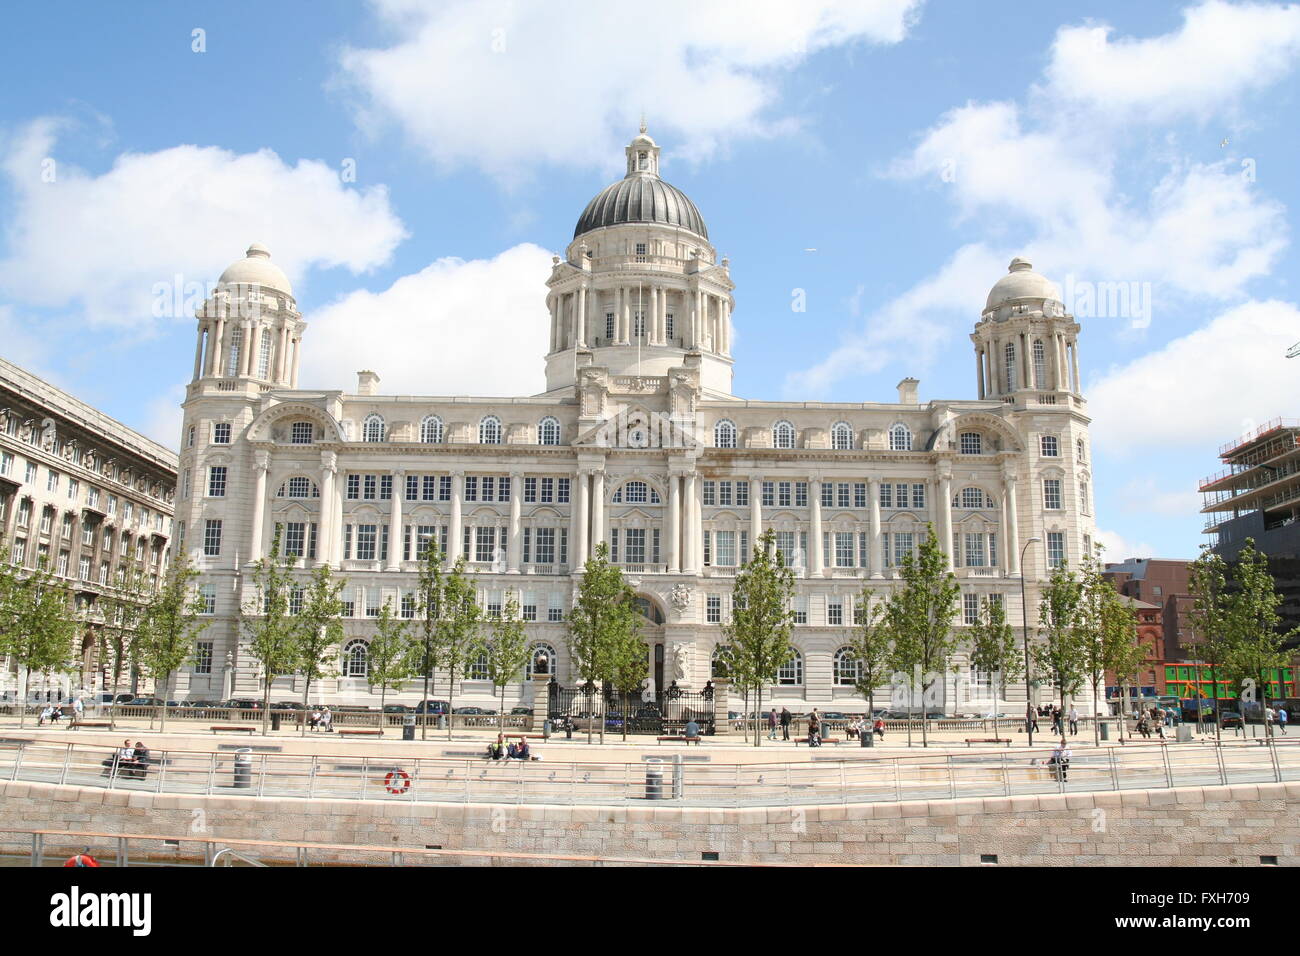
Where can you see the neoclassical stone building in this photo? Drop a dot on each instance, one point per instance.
(637, 442)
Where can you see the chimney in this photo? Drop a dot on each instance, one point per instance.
(907, 391)
(367, 383)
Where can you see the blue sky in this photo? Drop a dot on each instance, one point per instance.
(885, 159)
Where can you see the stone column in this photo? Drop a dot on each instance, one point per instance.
(515, 548)
(721, 699)
(979, 372)
(580, 337)
(1013, 543)
(1074, 368)
(674, 524)
(874, 558)
(690, 528)
(198, 354)
(395, 522)
(945, 516)
(653, 333)
(261, 465)
(597, 508)
(293, 379)
(455, 534)
(816, 557)
(217, 349)
(580, 544)
(327, 530)
(755, 514)
(281, 352)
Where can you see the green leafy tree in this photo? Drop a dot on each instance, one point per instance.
(1103, 628)
(271, 630)
(43, 635)
(505, 650)
(391, 657)
(1207, 582)
(123, 610)
(872, 647)
(1255, 655)
(317, 631)
(993, 649)
(628, 665)
(1059, 658)
(429, 602)
(761, 621)
(170, 627)
(457, 627)
(1125, 656)
(603, 613)
(920, 617)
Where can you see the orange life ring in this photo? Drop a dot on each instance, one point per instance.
(81, 859)
(403, 781)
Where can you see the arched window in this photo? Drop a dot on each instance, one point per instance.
(264, 355)
(782, 435)
(356, 659)
(1040, 364)
(373, 428)
(724, 434)
(636, 493)
(478, 669)
(1010, 357)
(431, 430)
(648, 609)
(1080, 449)
(1084, 502)
(847, 667)
(841, 436)
(548, 431)
(189, 436)
(900, 438)
(1049, 446)
(719, 666)
(790, 673)
(543, 659)
(489, 431)
(298, 487)
(971, 443)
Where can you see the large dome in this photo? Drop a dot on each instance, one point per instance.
(641, 198)
(256, 268)
(1021, 282)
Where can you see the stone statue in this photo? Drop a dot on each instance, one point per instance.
(681, 662)
(648, 690)
(47, 434)
(680, 596)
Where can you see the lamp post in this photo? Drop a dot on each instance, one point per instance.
(1024, 616)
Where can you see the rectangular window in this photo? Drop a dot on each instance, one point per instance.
(6, 463)
(52, 481)
(974, 551)
(530, 490)
(860, 494)
(801, 609)
(886, 495)
(784, 498)
(485, 545)
(713, 608)
(221, 433)
(844, 549)
(904, 544)
(30, 477)
(471, 488)
(444, 487)
(367, 541)
(724, 548)
(918, 495)
(412, 492)
(668, 324)
(354, 487)
(828, 494)
(769, 494)
(295, 539)
(203, 657)
(301, 433)
(385, 487)
(555, 612)
(834, 613)
(710, 493)
(801, 494)
(1050, 447)
(369, 487)
(208, 598)
(970, 608)
(211, 538)
(62, 569)
(544, 539)
(609, 326)
(1052, 494)
(1055, 549)
(842, 494)
(217, 481)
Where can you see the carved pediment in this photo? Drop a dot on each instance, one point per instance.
(637, 428)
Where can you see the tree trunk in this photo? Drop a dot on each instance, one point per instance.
(501, 711)
(162, 719)
(451, 697)
(1096, 722)
(266, 704)
(758, 709)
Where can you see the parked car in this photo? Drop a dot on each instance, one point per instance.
(1230, 718)
(435, 707)
(527, 711)
(286, 705)
(123, 698)
(475, 711)
(145, 702)
(243, 703)
(396, 709)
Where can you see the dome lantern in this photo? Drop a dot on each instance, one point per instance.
(641, 196)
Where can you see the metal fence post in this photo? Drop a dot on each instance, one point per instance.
(1006, 776)
(123, 858)
(1272, 752)
(898, 782)
(1223, 770)
(1114, 769)
(212, 772)
(261, 776)
(952, 780)
(1169, 773)
(38, 849)
(311, 777)
(67, 757)
(18, 761)
(361, 781)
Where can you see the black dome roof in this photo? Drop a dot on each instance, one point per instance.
(641, 198)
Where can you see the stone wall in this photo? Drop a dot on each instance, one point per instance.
(1233, 825)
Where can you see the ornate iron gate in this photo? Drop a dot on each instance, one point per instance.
(667, 712)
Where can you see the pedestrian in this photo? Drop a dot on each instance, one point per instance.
(1031, 719)
(1074, 719)
(1281, 719)
(78, 709)
(1060, 760)
(786, 718)
(327, 719)
(814, 729)
(1270, 717)
(879, 728)
(1158, 721)
(771, 724)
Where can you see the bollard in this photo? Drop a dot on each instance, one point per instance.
(1105, 729)
(679, 773)
(275, 720)
(654, 779)
(243, 768)
(546, 729)
(866, 737)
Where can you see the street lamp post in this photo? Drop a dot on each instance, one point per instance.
(1024, 616)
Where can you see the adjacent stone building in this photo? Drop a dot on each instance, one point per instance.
(637, 442)
(84, 495)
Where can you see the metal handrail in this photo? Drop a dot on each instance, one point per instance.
(238, 856)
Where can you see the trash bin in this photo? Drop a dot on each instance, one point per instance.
(546, 730)
(1183, 733)
(442, 721)
(866, 737)
(654, 779)
(275, 720)
(1104, 725)
(243, 768)
(408, 727)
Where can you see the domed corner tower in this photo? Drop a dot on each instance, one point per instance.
(1026, 346)
(640, 287)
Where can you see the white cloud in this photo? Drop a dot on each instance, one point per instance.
(1221, 52)
(457, 327)
(705, 71)
(1116, 547)
(163, 417)
(103, 241)
(1202, 389)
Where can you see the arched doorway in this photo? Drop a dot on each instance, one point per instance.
(652, 633)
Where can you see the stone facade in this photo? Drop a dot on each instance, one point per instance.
(83, 494)
(637, 443)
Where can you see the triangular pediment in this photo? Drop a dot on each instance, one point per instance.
(637, 428)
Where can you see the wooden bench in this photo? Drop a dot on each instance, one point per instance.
(360, 732)
(680, 739)
(234, 728)
(987, 740)
(78, 724)
(524, 736)
(825, 740)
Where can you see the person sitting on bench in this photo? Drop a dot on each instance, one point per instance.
(519, 751)
(497, 750)
(121, 759)
(692, 729)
